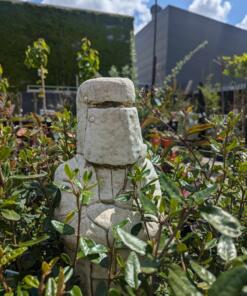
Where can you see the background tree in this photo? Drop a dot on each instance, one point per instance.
(4, 84)
(113, 72)
(236, 67)
(126, 72)
(6, 107)
(37, 58)
(88, 60)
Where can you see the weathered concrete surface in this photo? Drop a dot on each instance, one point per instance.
(113, 137)
(102, 90)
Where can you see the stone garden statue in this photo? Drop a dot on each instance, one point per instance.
(109, 143)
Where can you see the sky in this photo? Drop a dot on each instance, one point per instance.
(229, 11)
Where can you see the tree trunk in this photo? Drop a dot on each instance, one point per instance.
(43, 90)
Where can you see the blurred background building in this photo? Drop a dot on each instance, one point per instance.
(178, 33)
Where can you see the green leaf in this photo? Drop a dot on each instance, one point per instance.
(9, 294)
(243, 167)
(130, 291)
(34, 242)
(84, 248)
(89, 248)
(98, 249)
(206, 193)
(211, 244)
(69, 173)
(125, 197)
(121, 224)
(64, 229)
(234, 143)
(226, 248)
(148, 206)
(69, 216)
(230, 283)
(4, 153)
(11, 255)
(114, 292)
(181, 248)
(97, 258)
(197, 128)
(149, 266)
(31, 281)
(87, 176)
(29, 177)
(75, 291)
(66, 258)
(10, 215)
(68, 273)
(51, 287)
(170, 187)
(21, 292)
(203, 273)
(134, 243)
(222, 221)
(216, 146)
(180, 284)
(132, 270)
(85, 197)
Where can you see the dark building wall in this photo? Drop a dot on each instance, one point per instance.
(186, 31)
(144, 49)
(22, 23)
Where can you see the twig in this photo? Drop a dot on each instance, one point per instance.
(224, 169)
(140, 211)
(183, 217)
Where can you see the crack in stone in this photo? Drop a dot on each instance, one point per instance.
(109, 104)
(85, 129)
(98, 182)
(108, 166)
(112, 193)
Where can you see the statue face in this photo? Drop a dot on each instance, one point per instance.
(108, 132)
(113, 136)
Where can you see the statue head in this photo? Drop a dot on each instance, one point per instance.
(108, 131)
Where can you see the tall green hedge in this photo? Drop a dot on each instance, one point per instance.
(22, 23)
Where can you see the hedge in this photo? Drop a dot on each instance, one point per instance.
(21, 23)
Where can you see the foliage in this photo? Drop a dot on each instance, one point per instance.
(88, 60)
(202, 207)
(3, 82)
(179, 66)
(200, 247)
(212, 98)
(63, 29)
(37, 55)
(6, 107)
(235, 66)
(37, 58)
(125, 72)
(200, 215)
(129, 70)
(28, 159)
(113, 72)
